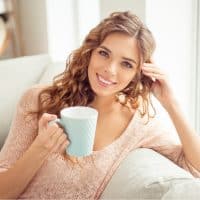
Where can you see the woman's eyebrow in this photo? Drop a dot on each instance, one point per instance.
(105, 48)
(128, 59)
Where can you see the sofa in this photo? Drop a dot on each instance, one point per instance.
(17, 75)
(143, 174)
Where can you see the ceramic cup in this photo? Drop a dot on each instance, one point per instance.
(79, 122)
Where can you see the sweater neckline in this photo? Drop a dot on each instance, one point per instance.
(117, 140)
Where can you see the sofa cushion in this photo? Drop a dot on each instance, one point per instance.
(16, 75)
(51, 71)
(183, 189)
(145, 174)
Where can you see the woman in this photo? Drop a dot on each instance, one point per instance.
(112, 72)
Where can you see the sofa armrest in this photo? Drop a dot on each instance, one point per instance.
(145, 174)
(16, 75)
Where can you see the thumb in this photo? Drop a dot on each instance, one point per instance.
(46, 118)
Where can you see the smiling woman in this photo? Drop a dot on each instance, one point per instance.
(113, 64)
(115, 58)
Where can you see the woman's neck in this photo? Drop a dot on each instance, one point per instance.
(105, 104)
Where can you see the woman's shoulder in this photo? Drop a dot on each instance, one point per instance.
(34, 90)
(29, 97)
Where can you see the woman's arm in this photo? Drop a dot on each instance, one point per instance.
(164, 93)
(14, 180)
(50, 139)
(28, 144)
(188, 137)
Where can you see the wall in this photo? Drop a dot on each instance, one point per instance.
(174, 34)
(136, 6)
(68, 22)
(33, 26)
(49, 25)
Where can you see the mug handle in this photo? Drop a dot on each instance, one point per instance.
(56, 121)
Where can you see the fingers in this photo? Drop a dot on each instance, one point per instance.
(44, 124)
(45, 118)
(55, 134)
(152, 68)
(154, 76)
(47, 139)
(152, 71)
(51, 137)
(60, 143)
(64, 146)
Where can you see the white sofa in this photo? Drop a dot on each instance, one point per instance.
(16, 75)
(144, 174)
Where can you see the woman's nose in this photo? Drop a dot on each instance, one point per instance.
(111, 68)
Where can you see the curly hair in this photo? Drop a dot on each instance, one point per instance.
(72, 88)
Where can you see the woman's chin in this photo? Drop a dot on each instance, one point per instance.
(101, 93)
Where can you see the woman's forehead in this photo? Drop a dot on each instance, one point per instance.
(122, 44)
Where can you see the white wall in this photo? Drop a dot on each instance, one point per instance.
(58, 27)
(172, 25)
(68, 23)
(33, 26)
(87, 19)
(61, 27)
(136, 6)
(196, 71)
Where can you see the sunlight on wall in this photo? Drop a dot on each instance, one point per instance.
(87, 17)
(61, 35)
(67, 24)
(171, 24)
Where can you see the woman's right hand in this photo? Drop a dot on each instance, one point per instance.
(51, 137)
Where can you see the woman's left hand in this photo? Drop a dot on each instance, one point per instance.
(160, 87)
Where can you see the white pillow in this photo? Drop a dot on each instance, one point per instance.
(145, 174)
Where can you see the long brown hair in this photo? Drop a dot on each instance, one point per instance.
(72, 88)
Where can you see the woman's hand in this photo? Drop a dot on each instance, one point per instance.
(160, 87)
(51, 137)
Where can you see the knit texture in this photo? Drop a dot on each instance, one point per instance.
(58, 178)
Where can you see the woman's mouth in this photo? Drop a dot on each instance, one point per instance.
(104, 82)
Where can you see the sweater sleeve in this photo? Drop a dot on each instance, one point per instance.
(160, 139)
(23, 129)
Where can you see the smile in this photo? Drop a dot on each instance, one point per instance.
(104, 82)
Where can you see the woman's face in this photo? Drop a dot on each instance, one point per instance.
(113, 64)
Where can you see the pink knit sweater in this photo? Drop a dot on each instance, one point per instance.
(60, 179)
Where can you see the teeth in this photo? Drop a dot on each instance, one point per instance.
(104, 81)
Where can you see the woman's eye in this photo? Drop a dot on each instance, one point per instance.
(127, 64)
(103, 53)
